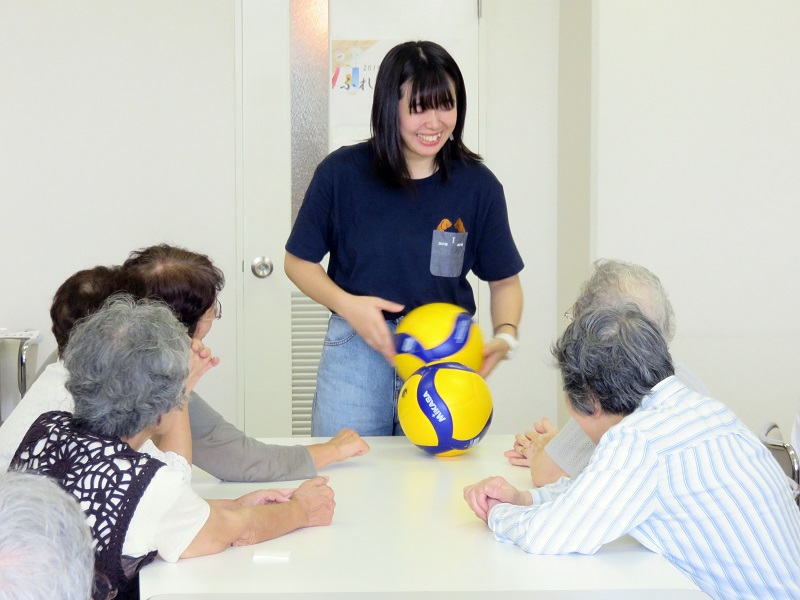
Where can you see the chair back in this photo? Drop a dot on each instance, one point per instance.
(783, 452)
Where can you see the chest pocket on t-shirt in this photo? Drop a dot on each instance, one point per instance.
(447, 253)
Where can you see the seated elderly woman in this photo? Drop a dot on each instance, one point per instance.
(78, 297)
(188, 282)
(127, 365)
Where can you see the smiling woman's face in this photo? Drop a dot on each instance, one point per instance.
(424, 133)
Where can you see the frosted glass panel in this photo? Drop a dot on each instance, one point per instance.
(309, 62)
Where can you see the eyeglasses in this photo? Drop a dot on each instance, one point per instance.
(570, 313)
(217, 312)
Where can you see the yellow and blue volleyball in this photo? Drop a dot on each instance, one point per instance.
(445, 408)
(437, 332)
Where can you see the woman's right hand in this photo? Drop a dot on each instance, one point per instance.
(365, 315)
(200, 361)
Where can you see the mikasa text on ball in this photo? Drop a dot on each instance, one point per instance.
(445, 408)
(436, 332)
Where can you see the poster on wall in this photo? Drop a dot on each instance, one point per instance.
(353, 70)
(360, 34)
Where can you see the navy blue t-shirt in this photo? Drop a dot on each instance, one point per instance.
(407, 246)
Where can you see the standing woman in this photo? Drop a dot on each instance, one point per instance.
(405, 216)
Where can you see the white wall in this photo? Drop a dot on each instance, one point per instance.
(117, 131)
(696, 153)
(519, 137)
(118, 125)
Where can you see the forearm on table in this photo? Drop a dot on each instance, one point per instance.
(557, 527)
(324, 454)
(544, 470)
(230, 455)
(224, 503)
(230, 524)
(226, 452)
(614, 495)
(542, 528)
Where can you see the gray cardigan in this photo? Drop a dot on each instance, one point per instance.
(227, 453)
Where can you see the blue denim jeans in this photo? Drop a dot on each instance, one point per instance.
(356, 387)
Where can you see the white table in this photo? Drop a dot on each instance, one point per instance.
(402, 530)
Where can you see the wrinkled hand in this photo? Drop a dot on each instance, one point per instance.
(523, 450)
(519, 455)
(542, 434)
(484, 495)
(316, 500)
(274, 496)
(364, 313)
(347, 443)
(531, 442)
(200, 361)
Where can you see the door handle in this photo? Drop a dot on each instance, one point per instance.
(261, 267)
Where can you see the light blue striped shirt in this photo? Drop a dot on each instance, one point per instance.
(687, 479)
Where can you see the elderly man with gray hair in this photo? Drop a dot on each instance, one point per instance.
(676, 470)
(551, 454)
(127, 368)
(45, 543)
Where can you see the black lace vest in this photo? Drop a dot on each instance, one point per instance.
(106, 476)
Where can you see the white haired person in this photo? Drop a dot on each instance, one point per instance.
(45, 543)
(552, 454)
(126, 368)
(674, 469)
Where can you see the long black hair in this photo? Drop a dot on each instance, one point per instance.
(432, 75)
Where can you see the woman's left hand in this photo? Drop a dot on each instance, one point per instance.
(493, 352)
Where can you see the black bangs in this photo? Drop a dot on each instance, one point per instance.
(431, 78)
(431, 90)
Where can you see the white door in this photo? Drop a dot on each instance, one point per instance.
(280, 331)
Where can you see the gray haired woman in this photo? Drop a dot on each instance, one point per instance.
(45, 544)
(127, 368)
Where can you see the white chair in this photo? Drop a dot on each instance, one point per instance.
(783, 452)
